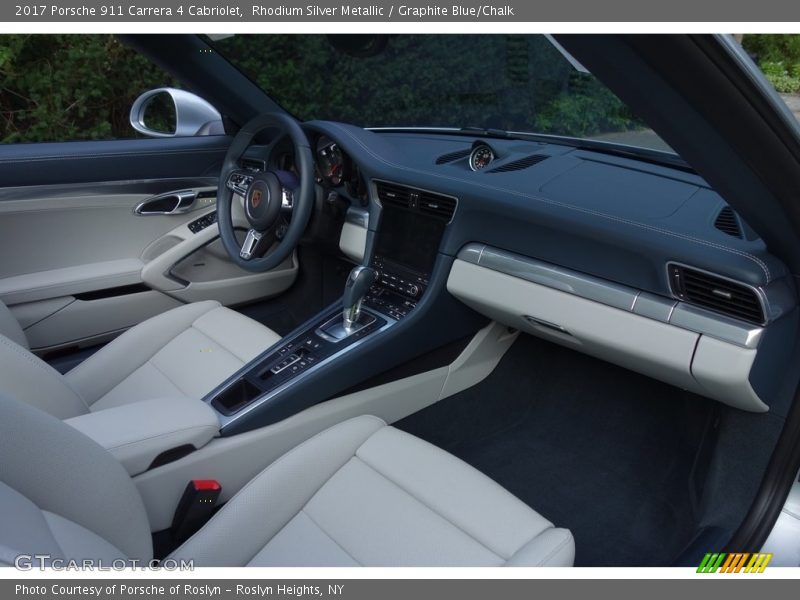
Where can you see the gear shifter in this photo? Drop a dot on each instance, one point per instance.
(352, 319)
(358, 283)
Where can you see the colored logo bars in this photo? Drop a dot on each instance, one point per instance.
(738, 562)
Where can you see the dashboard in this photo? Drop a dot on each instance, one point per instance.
(639, 263)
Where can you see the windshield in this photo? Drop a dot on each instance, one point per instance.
(517, 83)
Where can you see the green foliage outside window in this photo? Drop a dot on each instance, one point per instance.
(70, 87)
(778, 56)
(508, 82)
(81, 87)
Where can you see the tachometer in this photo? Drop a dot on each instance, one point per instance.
(330, 161)
(480, 156)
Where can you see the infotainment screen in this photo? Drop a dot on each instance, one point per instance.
(409, 239)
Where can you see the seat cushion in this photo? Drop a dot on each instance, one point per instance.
(363, 493)
(186, 351)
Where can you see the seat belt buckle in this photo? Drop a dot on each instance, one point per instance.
(195, 507)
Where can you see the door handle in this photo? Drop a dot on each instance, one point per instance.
(172, 203)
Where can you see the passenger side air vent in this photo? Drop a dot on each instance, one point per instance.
(452, 156)
(522, 163)
(715, 293)
(728, 222)
(429, 203)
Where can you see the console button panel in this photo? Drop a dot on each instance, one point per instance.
(396, 290)
(295, 355)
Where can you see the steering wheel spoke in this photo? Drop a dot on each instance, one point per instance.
(287, 199)
(255, 242)
(239, 181)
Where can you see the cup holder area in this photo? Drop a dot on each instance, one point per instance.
(236, 396)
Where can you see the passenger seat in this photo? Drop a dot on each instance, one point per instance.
(358, 494)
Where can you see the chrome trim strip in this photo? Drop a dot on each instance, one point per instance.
(564, 280)
(651, 306)
(693, 318)
(226, 420)
(358, 217)
(654, 307)
(185, 201)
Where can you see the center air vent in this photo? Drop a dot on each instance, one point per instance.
(728, 222)
(522, 163)
(391, 194)
(716, 293)
(253, 164)
(429, 203)
(452, 156)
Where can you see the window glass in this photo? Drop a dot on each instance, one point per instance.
(778, 56)
(510, 82)
(71, 87)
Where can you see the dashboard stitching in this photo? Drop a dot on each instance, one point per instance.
(741, 253)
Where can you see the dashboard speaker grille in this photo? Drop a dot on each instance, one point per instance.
(716, 293)
(429, 203)
(452, 156)
(728, 222)
(522, 163)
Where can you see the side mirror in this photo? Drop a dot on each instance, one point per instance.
(170, 112)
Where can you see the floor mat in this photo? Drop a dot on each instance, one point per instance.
(593, 447)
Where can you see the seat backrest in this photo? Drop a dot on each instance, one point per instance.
(9, 327)
(62, 494)
(29, 379)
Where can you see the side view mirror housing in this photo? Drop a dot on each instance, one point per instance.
(170, 112)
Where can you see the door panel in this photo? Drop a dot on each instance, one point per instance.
(80, 265)
(61, 163)
(57, 229)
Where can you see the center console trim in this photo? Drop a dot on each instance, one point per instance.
(226, 420)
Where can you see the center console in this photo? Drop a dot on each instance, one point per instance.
(404, 256)
(376, 297)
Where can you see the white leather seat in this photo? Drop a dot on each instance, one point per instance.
(359, 493)
(186, 351)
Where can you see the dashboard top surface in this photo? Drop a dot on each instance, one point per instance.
(605, 215)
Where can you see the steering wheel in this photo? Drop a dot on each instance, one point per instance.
(266, 195)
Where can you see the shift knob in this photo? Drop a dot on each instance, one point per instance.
(358, 283)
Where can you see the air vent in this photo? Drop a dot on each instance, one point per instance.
(716, 293)
(728, 222)
(253, 164)
(437, 205)
(522, 163)
(393, 194)
(429, 203)
(452, 156)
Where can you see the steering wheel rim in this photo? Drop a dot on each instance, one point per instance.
(261, 210)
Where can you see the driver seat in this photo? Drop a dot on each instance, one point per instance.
(186, 351)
